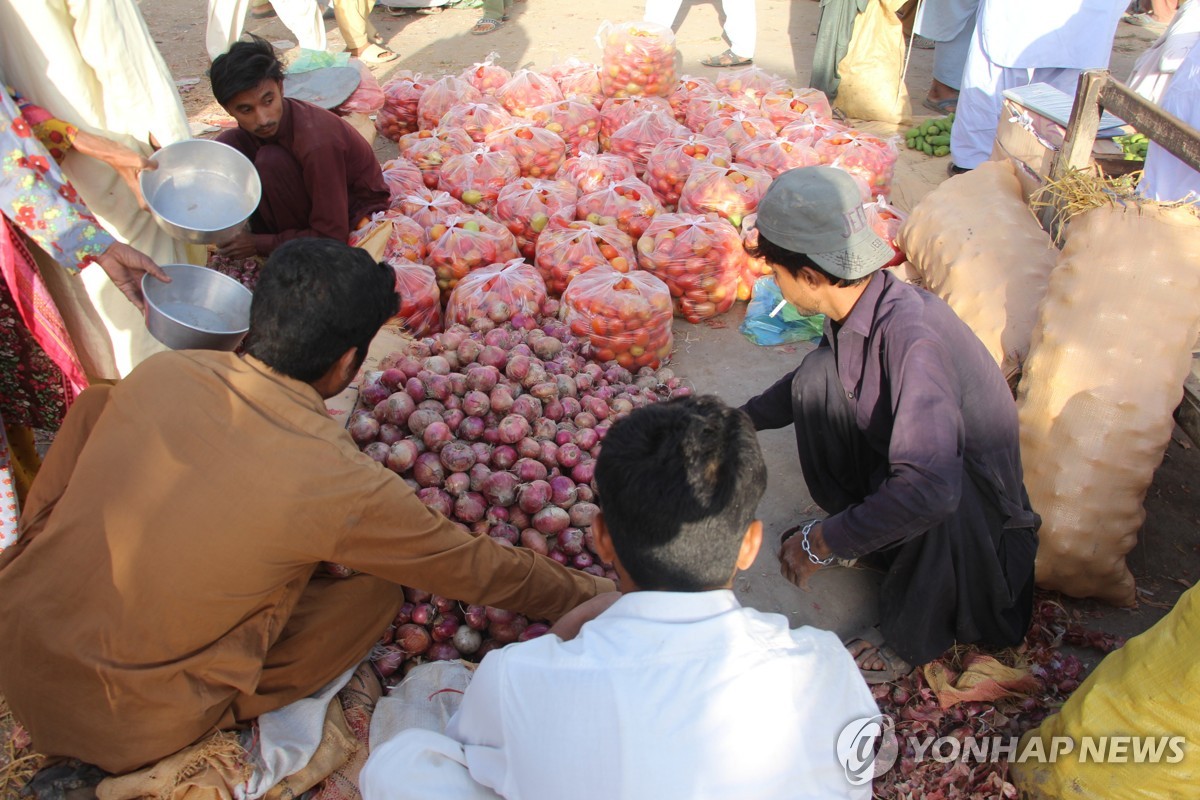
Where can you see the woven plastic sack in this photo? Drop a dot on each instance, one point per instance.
(401, 97)
(476, 178)
(869, 157)
(766, 326)
(789, 105)
(623, 317)
(740, 128)
(752, 268)
(428, 149)
(703, 109)
(539, 153)
(698, 257)
(368, 97)
(811, 128)
(617, 112)
(638, 59)
(497, 291)
(977, 246)
(686, 88)
(752, 82)
(628, 204)
(527, 206)
(885, 219)
(872, 71)
(406, 239)
(428, 208)
(729, 192)
(776, 156)
(673, 159)
(1107, 361)
(441, 95)
(487, 76)
(464, 243)
(527, 89)
(576, 123)
(591, 173)
(637, 138)
(1145, 689)
(402, 178)
(420, 300)
(566, 249)
(476, 120)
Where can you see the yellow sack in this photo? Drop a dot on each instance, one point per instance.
(872, 71)
(1145, 689)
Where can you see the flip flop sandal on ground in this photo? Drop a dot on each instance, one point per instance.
(726, 59)
(943, 106)
(894, 667)
(374, 54)
(486, 25)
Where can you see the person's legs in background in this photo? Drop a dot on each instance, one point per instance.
(495, 12)
(303, 18)
(949, 59)
(224, 27)
(741, 26)
(362, 40)
(662, 12)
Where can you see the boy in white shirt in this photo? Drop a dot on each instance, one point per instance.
(672, 691)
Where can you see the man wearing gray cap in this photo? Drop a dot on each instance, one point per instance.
(907, 435)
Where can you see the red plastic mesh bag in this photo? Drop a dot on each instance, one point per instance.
(566, 249)
(476, 120)
(685, 89)
(752, 268)
(865, 156)
(402, 177)
(580, 81)
(790, 105)
(401, 96)
(638, 59)
(591, 173)
(440, 96)
(777, 155)
(406, 242)
(619, 111)
(698, 257)
(637, 138)
(702, 109)
(487, 76)
(740, 128)
(624, 317)
(429, 150)
(810, 127)
(539, 153)
(885, 219)
(576, 123)
(527, 89)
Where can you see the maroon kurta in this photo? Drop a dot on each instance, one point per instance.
(319, 177)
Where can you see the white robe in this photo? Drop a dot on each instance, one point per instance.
(1155, 67)
(1166, 177)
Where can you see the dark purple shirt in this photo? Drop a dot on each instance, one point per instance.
(927, 395)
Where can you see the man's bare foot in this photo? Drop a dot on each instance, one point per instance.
(877, 662)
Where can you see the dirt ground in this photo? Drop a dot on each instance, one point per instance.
(717, 358)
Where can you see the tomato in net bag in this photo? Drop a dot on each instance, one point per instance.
(637, 138)
(790, 105)
(539, 153)
(752, 268)
(466, 242)
(685, 89)
(865, 156)
(580, 81)
(638, 59)
(885, 220)
(698, 257)
(777, 155)
(420, 300)
(810, 128)
(591, 173)
(367, 98)
(577, 124)
(729, 192)
(497, 292)
(440, 96)
(622, 317)
(476, 178)
(704, 108)
(740, 128)
(487, 76)
(407, 240)
(566, 249)
(401, 96)
(428, 208)
(430, 149)
(619, 111)
(527, 89)
(476, 120)
(527, 206)
(751, 82)
(672, 160)
(402, 178)
(629, 204)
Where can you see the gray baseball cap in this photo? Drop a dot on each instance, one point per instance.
(818, 211)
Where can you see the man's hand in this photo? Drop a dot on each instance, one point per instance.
(126, 162)
(569, 624)
(125, 267)
(240, 246)
(795, 564)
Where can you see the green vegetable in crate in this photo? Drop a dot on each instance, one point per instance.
(931, 137)
(1134, 145)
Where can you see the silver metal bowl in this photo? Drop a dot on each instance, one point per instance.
(200, 309)
(202, 191)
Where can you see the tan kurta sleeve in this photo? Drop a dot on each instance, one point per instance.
(393, 535)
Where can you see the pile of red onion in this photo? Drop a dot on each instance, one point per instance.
(496, 426)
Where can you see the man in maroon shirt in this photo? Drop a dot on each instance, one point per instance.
(907, 435)
(319, 176)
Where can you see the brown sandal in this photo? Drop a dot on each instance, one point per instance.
(486, 25)
(726, 59)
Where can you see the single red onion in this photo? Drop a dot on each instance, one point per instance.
(428, 470)
(551, 520)
(416, 595)
(505, 533)
(518, 517)
(546, 347)
(535, 541)
(457, 484)
(594, 569)
(501, 398)
(548, 453)
(570, 541)
(586, 438)
(529, 448)
(437, 436)
(563, 492)
(453, 417)
(585, 419)
(586, 495)
(421, 419)
(471, 429)
(569, 455)
(436, 499)
(378, 451)
(503, 457)
(582, 560)
(415, 388)
(468, 351)
(553, 409)
(423, 614)
(389, 434)
(533, 496)
(507, 632)
(363, 428)
(444, 627)
(500, 488)
(571, 407)
(437, 365)
(582, 513)
(533, 631)
(559, 556)
(513, 428)
(372, 389)
(476, 617)
(528, 406)
(470, 507)
(443, 651)
(584, 471)
(483, 377)
(404, 615)
(387, 659)
(458, 387)
(479, 473)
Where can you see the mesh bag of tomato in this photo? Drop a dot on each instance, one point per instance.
(623, 317)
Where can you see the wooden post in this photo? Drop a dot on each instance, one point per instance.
(1076, 150)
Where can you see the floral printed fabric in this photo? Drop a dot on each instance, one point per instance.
(56, 135)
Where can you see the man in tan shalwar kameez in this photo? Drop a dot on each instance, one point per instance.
(168, 584)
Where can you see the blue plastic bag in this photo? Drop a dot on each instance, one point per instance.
(785, 327)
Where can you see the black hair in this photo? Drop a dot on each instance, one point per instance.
(315, 299)
(794, 262)
(243, 67)
(679, 483)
